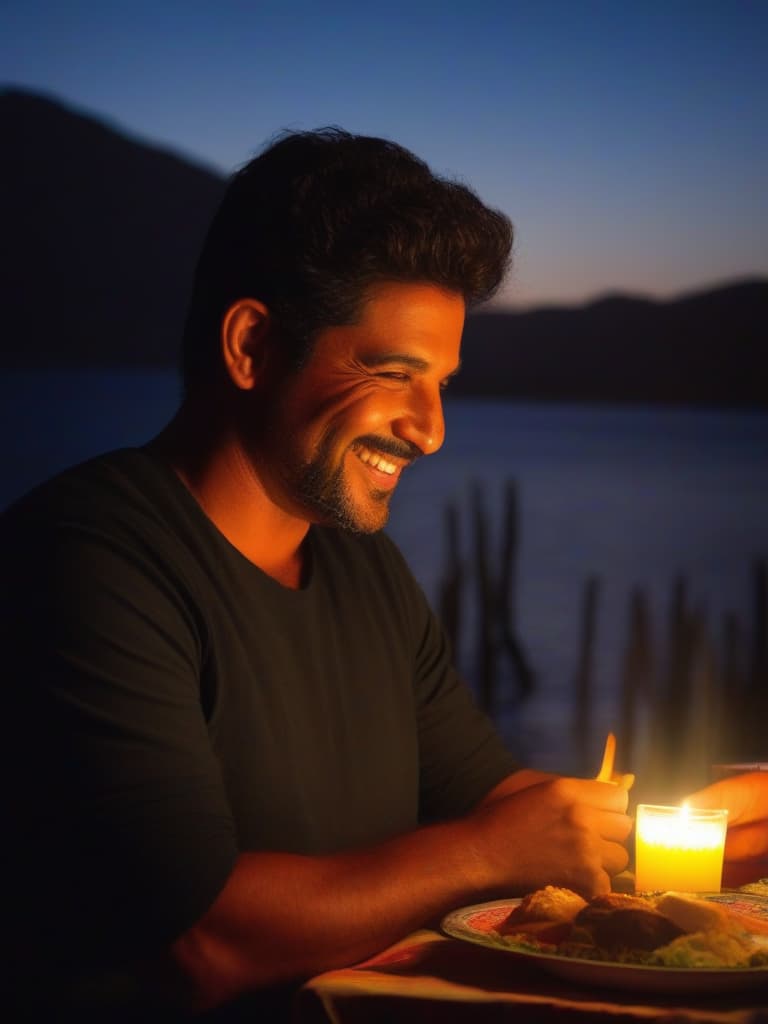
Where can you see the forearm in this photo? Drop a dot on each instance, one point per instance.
(284, 916)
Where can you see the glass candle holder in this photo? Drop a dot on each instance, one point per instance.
(679, 849)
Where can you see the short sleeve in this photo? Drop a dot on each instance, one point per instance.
(118, 796)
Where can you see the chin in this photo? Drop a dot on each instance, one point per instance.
(355, 519)
(361, 524)
(331, 499)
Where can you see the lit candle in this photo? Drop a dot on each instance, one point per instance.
(679, 848)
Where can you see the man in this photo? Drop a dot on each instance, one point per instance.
(239, 752)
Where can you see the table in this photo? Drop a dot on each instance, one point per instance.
(428, 977)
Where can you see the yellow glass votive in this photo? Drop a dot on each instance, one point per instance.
(679, 848)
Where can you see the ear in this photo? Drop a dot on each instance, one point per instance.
(244, 331)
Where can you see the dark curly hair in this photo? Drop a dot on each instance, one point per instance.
(316, 219)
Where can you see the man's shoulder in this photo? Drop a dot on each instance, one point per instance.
(123, 515)
(109, 484)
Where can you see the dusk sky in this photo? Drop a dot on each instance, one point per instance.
(628, 141)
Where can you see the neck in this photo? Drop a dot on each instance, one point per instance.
(206, 450)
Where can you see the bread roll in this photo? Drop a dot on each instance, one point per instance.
(552, 903)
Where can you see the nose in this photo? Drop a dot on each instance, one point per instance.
(422, 423)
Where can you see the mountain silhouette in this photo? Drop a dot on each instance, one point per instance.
(705, 348)
(102, 232)
(101, 238)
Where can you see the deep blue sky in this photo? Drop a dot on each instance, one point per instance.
(628, 140)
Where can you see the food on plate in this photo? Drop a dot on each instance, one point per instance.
(691, 914)
(609, 903)
(700, 915)
(617, 921)
(545, 914)
(668, 929)
(712, 948)
(552, 903)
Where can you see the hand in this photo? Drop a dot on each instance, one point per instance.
(559, 831)
(746, 798)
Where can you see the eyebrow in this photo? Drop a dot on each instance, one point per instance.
(375, 359)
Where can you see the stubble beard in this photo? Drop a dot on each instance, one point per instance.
(324, 488)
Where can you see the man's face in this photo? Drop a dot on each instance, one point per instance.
(365, 405)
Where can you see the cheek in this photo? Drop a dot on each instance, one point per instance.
(367, 413)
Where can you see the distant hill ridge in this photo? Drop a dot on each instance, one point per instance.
(705, 348)
(102, 236)
(102, 233)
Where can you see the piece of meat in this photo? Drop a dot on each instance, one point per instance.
(626, 927)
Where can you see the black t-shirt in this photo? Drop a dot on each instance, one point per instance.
(169, 705)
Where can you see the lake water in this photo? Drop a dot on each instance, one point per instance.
(634, 496)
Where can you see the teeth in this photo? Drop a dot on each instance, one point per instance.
(377, 461)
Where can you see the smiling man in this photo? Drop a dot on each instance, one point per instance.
(326, 443)
(240, 753)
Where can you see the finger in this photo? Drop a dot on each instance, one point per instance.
(615, 857)
(592, 884)
(604, 795)
(614, 827)
(625, 781)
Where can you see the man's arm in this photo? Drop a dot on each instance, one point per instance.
(283, 916)
(746, 798)
(110, 654)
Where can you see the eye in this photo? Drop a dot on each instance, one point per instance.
(397, 375)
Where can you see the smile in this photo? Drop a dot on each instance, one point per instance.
(376, 461)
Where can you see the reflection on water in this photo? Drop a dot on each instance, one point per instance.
(633, 497)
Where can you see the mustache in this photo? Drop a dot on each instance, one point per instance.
(389, 446)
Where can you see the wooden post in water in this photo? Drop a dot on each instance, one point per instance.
(677, 683)
(659, 762)
(506, 609)
(583, 690)
(637, 683)
(699, 736)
